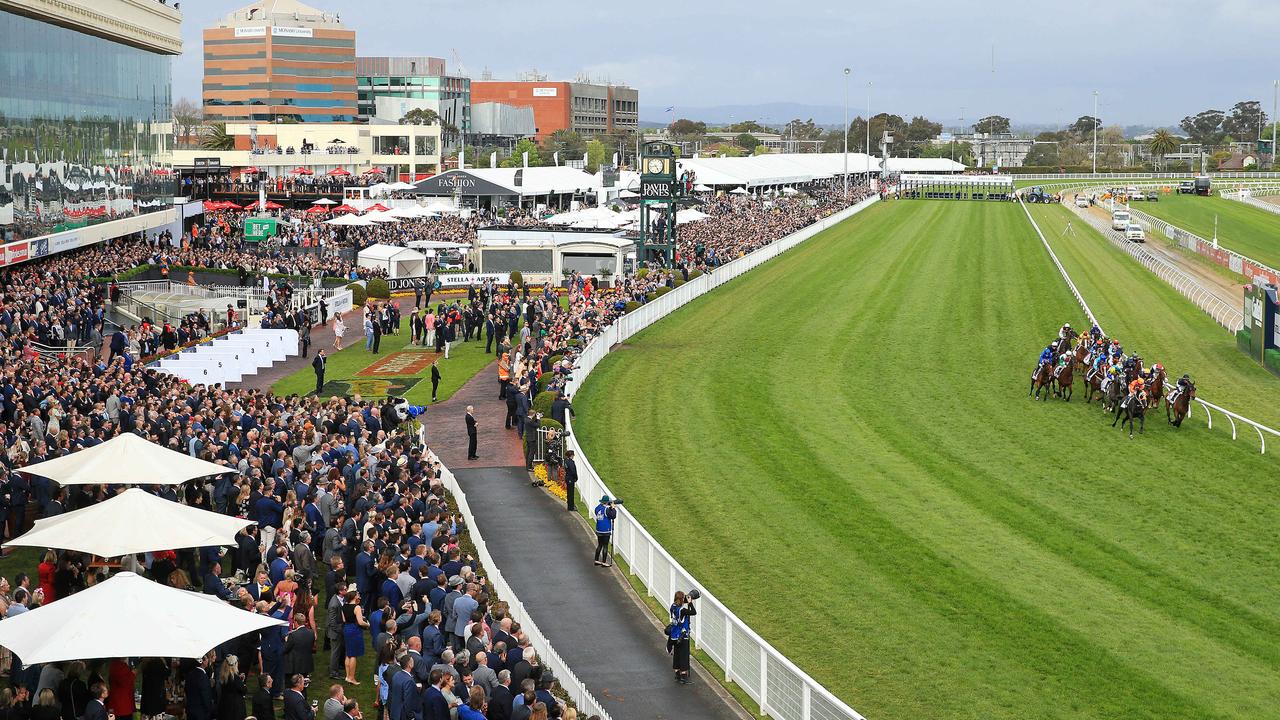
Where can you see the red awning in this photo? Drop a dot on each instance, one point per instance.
(373, 171)
(251, 169)
(345, 209)
(300, 171)
(317, 209)
(338, 172)
(228, 205)
(210, 205)
(379, 207)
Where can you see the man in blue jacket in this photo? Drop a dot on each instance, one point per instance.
(434, 706)
(604, 515)
(403, 696)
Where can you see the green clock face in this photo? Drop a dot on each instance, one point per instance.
(656, 166)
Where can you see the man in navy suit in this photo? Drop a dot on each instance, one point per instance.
(213, 583)
(365, 569)
(434, 706)
(402, 697)
(97, 708)
(199, 693)
(295, 703)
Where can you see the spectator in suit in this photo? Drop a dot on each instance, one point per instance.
(421, 668)
(295, 701)
(333, 707)
(319, 364)
(500, 699)
(475, 706)
(482, 675)
(263, 708)
(403, 695)
(432, 638)
(333, 631)
(463, 606)
(199, 692)
(570, 478)
(97, 707)
(434, 706)
(299, 648)
(213, 585)
(471, 434)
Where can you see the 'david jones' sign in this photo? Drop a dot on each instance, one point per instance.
(656, 189)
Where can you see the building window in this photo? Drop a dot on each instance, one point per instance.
(424, 145)
(391, 145)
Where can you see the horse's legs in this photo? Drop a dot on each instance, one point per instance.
(1142, 423)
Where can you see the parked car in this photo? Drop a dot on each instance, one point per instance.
(1133, 193)
(1082, 201)
(1186, 187)
(1153, 196)
(1133, 233)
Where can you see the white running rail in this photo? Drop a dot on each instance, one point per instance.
(782, 689)
(577, 691)
(1230, 259)
(1261, 429)
(1249, 196)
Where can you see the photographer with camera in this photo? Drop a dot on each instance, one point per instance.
(682, 611)
(604, 514)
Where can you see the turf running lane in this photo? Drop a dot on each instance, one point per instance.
(841, 447)
(1248, 230)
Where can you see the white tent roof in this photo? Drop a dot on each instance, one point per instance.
(325, 201)
(134, 521)
(352, 219)
(438, 245)
(922, 165)
(776, 168)
(440, 206)
(389, 252)
(125, 460)
(534, 180)
(127, 616)
(379, 216)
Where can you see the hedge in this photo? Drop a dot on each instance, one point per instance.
(377, 288)
(650, 297)
(542, 402)
(543, 381)
(555, 359)
(549, 423)
(662, 291)
(1271, 359)
(679, 281)
(631, 306)
(358, 295)
(1243, 339)
(695, 274)
(573, 342)
(641, 273)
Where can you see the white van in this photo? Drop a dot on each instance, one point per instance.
(1082, 201)
(1133, 233)
(1120, 220)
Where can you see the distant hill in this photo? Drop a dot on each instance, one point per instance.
(778, 113)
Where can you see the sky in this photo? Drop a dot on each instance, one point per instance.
(1149, 67)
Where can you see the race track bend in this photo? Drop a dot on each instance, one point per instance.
(1216, 283)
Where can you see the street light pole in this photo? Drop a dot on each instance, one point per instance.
(1095, 132)
(868, 129)
(846, 133)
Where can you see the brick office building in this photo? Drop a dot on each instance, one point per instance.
(586, 108)
(280, 59)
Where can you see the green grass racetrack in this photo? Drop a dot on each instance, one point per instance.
(839, 445)
(1250, 231)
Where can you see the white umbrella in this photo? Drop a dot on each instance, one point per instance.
(401, 186)
(738, 191)
(441, 206)
(378, 216)
(402, 213)
(790, 191)
(325, 201)
(352, 220)
(565, 218)
(134, 521)
(127, 616)
(690, 215)
(701, 188)
(125, 460)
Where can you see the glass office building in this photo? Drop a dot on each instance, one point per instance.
(421, 79)
(83, 118)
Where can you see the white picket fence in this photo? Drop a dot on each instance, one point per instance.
(1163, 175)
(1249, 196)
(577, 691)
(1262, 430)
(782, 689)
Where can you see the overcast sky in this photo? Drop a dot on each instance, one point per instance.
(1151, 63)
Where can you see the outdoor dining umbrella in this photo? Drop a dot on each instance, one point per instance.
(352, 220)
(127, 616)
(324, 201)
(378, 207)
(300, 171)
(344, 208)
(317, 209)
(125, 459)
(338, 172)
(228, 205)
(135, 521)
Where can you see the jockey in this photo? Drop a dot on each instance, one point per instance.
(1154, 370)
(1095, 332)
(1046, 356)
(1136, 390)
(1062, 362)
(1065, 332)
(1116, 350)
(1183, 383)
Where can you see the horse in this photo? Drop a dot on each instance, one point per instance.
(1114, 394)
(1177, 409)
(1130, 410)
(1155, 388)
(1083, 350)
(1093, 384)
(1042, 379)
(1063, 377)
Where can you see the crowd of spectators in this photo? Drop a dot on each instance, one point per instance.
(355, 545)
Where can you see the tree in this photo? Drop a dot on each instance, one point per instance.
(749, 126)
(1043, 154)
(1246, 119)
(1072, 152)
(420, 116)
(1111, 146)
(761, 149)
(217, 138)
(187, 116)
(724, 150)
(687, 128)
(962, 152)
(894, 124)
(747, 141)
(568, 143)
(1162, 143)
(802, 130)
(994, 124)
(1204, 127)
(596, 154)
(517, 156)
(1085, 125)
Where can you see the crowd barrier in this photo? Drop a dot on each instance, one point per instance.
(1262, 430)
(577, 691)
(782, 689)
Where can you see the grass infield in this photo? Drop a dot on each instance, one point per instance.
(840, 446)
(1249, 231)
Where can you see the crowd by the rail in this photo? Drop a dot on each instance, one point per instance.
(1123, 382)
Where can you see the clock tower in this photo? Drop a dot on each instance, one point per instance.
(659, 192)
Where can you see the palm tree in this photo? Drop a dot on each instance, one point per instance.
(216, 137)
(1163, 143)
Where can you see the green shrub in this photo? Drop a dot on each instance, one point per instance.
(542, 382)
(517, 280)
(695, 274)
(1271, 358)
(573, 342)
(377, 287)
(358, 295)
(650, 297)
(641, 273)
(632, 305)
(555, 359)
(661, 291)
(1243, 339)
(547, 422)
(679, 281)
(542, 402)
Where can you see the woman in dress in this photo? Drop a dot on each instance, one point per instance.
(231, 690)
(47, 569)
(155, 673)
(353, 623)
(339, 329)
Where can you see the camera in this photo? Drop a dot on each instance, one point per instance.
(693, 594)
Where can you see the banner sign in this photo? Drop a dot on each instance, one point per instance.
(545, 92)
(242, 32)
(285, 31)
(448, 281)
(258, 229)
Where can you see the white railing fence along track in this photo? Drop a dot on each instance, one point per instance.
(1209, 407)
(782, 689)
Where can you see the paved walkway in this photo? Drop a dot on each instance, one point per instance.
(447, 430)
